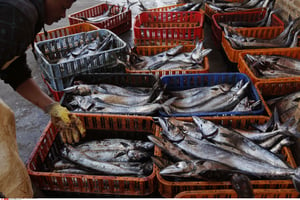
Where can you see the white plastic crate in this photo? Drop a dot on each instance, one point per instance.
(59, 75)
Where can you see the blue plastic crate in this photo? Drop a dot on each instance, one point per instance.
(187, 81)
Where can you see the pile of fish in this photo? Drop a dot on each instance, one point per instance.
(287, 38)
(172, 59)
(216, 98)
(227, 6)
(273, 66)
(114, 156)
(286, 105)
(186, 7)
(109, 12)
(264, 22)
(110, 98)
(203, 150)
(92, 47)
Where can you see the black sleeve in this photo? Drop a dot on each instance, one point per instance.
(16, 73)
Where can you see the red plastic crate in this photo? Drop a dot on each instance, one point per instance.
(64, 31)
(133, 127)
(273, 89)
(289, 52)
(170, 189)
(152, 50)
(248, 16)
(230, 193)
(154, 25)
(117, 23)
(57, 95)
(261, 32)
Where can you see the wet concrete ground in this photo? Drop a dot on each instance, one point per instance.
(31, 121)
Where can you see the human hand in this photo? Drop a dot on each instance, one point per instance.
(69, 126)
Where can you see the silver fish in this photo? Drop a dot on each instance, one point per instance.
(104, 167)
(234, 139)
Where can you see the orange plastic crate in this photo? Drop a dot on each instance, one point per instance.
(247, 16)
(273, 89)
(133, 127)
(152, 50)
(261, 32)
(170, 189)
(289, 52)
(185, 25)
(64, 31)
(118, 23)
(230, 193)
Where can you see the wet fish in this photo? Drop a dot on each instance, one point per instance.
(72, 154)
(234, 139)
(169, 148)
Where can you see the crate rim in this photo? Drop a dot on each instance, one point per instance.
(100, 4)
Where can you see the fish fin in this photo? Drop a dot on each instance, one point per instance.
(166, 105)
(124, 144)
(120, 154)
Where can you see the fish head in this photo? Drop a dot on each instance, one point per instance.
(135, 155)
(177, 168)
(171, 131)
(206, 127)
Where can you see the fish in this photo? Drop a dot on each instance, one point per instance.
(236, 140)
(169, 148)
(224, 102)
(203, 96)
(80, 158)
(100, 18)
(146, 109)
(115, 144)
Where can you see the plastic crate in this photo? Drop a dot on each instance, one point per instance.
(119, 79)
(289, 52)
(187, 81)
(152, 50)
(209, 12)
(59, 75)
(170, 189)
(247, 16)
(167, 8)
(262, 32)
(106, 126)
(117, 23)
(230, 193)
(65, 31)
(154, 25)
(272, 89)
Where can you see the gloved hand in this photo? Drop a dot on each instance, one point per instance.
(69, 126)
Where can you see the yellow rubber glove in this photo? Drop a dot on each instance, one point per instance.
(70, 127)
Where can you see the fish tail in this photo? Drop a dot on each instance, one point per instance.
(166, 105)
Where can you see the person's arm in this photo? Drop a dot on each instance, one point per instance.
(32, 92)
